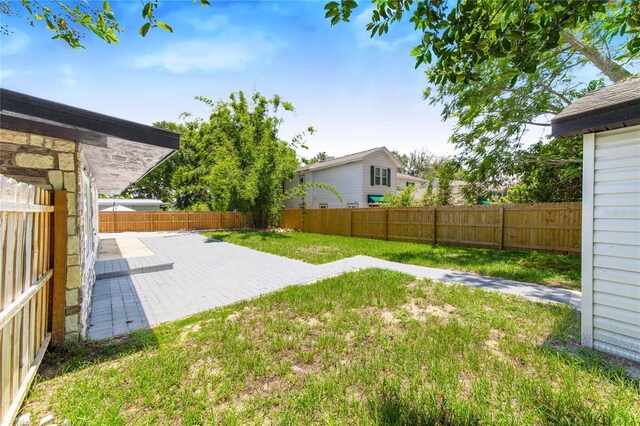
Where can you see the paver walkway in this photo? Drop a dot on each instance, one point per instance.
(208, 273)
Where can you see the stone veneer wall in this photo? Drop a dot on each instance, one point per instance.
(52, 164)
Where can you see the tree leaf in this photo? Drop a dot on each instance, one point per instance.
(144, 29)
(164, 26)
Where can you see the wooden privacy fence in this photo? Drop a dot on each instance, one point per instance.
(26, 287)
(170, 221)
(549, 227)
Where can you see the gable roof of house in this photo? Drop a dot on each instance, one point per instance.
(351, 158)
(119, 152)
(608, 108)
(405, 176)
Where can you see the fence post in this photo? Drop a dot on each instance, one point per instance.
(351, 222)
(501, 229)
(59, 266)
(435, 239)
(386, 224)
(153, 222)
(188, 221)
(113, 221)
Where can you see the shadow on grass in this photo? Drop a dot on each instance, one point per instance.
(213, 237)
(79, 355)
(391, 408)
(565, 344)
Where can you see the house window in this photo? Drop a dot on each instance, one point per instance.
(410, 184)
(302, 180)
(380, 176)
(324, 206)
(352, 205)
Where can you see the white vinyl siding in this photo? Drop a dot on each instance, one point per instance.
(292, 203)
(345, 178)
(613, 262)
(382, 160)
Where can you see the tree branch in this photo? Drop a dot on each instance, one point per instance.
(604, 63)
(537, 124)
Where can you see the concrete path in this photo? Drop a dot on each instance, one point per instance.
(208, 273)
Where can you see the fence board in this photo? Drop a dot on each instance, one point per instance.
(170, 221)
(554, 227)
(291, 219)
(25, 274)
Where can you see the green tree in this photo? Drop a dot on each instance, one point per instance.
(446, 174)
(549, 172)
(234, 161)
(421, 163)
(403, 198)
(429, 194)
(318, 158)
(503, 68)
(457, 38)
(70, 21)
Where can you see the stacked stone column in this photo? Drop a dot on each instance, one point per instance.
(52, 164)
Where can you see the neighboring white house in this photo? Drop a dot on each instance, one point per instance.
(609, 119)
(362, 179)
(420, 185)
(129, 204)
(404, 180)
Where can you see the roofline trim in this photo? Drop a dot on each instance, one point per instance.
(625, 114)
(328, 166)
(38, 108)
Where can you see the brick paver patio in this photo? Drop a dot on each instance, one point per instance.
(207, 274)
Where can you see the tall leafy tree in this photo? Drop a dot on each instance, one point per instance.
(234, 161)
(318, 158)
(421, 163)
(503, 68)
(459, 37)
(549, 172)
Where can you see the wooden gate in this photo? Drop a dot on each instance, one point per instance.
(26, 219)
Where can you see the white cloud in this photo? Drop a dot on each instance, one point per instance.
(212, 23)
(13, 43)
(68, 75)
(206, 55)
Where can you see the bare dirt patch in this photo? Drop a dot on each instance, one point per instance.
(385, 314)
(186, 331)
(493, 345)
(313, 322)
(318, 249)
(419, 310)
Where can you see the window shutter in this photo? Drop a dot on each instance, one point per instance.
(388, 177)
(372, 175)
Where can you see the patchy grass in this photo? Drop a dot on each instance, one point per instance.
(551, 269)
(370, 347)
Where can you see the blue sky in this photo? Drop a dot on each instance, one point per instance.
(358, 93)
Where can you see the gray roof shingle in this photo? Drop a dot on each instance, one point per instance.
(608, 108)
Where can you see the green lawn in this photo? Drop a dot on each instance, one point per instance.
(545, 268)
(369, 347)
